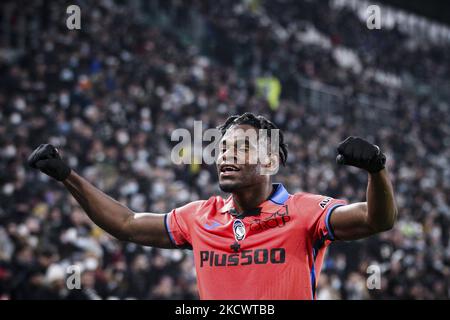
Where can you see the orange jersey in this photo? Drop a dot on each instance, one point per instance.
(274, 252)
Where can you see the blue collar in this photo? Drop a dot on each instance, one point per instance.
(280, 195)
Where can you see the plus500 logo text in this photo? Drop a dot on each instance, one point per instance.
(245, 257)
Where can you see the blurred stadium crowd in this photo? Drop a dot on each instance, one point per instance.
(109, 96)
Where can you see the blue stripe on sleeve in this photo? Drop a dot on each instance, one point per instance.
(327, 220)
(166, 224)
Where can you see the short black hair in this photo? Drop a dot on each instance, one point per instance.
(258, 122)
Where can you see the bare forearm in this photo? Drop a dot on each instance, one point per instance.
(142, 228)
(381, 207)
(363, 219)
(106, 212)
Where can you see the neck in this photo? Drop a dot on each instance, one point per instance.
(252, 197)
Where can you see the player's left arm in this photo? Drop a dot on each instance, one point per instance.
(379, 212)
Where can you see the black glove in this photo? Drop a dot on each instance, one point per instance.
(47, 159)
(360, 153)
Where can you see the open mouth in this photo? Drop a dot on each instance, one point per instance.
(228, 169)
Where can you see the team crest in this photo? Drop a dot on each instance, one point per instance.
(239, 230)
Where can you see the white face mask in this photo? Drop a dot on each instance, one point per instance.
(91, 263)
(64, 100)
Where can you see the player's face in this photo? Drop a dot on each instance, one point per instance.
(237, 162)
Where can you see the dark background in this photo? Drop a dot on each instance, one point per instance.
(438, 10)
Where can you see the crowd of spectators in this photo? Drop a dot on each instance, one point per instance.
(110, 94)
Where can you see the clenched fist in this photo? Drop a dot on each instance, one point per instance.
(47, 159)
(360, 153)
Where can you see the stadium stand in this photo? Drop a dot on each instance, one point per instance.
(109, 95)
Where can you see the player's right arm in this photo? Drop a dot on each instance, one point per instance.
(115, 218)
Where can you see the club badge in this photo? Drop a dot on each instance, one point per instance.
(239, 230)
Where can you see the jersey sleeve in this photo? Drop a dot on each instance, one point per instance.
(317, 218)
(179, 222)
